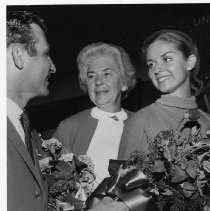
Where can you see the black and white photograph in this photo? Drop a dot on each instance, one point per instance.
(108, 106)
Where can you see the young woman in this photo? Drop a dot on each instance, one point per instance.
(173, 63)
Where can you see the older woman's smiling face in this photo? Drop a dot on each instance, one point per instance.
(104, 83)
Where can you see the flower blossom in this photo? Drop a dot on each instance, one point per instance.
(67, 157)
(45, 164)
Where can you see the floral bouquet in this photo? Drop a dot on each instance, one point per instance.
(70, 178)
(177, 167)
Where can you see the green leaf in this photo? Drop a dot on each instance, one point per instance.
(188, 189)
(206, 165)
(192, 168)
(159, 166)
(172, 148)
(178, 175)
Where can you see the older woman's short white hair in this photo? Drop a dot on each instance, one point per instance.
(120, 56)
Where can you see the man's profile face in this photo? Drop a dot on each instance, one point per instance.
(39, 67)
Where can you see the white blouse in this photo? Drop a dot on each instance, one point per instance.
(106, 140)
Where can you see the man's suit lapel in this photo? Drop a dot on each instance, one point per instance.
(15, 139)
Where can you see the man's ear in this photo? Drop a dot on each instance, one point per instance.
(17, 54)
(191, 62)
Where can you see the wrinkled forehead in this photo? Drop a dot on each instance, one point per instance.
(103, 57)
(102, 62)
(98, 57)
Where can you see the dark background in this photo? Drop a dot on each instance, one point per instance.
(71, 27)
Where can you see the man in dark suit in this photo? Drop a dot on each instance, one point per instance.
(28, 69)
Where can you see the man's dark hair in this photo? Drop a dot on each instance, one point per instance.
(20, 31)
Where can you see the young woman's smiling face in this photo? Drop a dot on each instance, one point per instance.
(168, 68)
(104, 83)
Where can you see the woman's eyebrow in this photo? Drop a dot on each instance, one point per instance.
(108, 68)
(150, 60)
(90, 71)
(167, 53)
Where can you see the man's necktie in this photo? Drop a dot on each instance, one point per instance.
(26, 126)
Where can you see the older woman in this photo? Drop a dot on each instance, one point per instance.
(106, 73)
